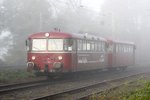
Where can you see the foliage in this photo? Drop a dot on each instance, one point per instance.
(21, 18)
(141, 94)
(7, 76)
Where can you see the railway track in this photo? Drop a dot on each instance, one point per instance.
(87, 90)
(72, 87)
(20, 86)
(4, 89)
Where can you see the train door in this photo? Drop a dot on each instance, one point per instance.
(110, 54)
(74, 55)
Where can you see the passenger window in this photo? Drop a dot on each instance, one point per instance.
(96, 47)
(103, 47)
(79, 45)
(124, 49)
(68, 43)
(84, 45)
(99, 46)
(120, 48)
(92, 46)
(88, 46)
(74, 45)
(116, 48)
(131, 49)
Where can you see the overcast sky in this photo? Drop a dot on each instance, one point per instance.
(93, 4)
(1, 1)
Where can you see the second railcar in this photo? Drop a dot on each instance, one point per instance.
(120, 54)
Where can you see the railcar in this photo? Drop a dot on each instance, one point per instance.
(51, 52)
(120, 54)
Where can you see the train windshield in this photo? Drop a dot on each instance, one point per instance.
(38, 44)
(55, 44)
(51, 45)
(60, 44)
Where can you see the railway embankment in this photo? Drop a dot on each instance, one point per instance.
(96, 85)
(135, 90)
(15, 76)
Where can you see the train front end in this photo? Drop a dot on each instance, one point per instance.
(49, 53)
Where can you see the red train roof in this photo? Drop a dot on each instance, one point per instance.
(51, 35)
(65, 35)
(122, 42)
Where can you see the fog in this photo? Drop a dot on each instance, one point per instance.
(126, 20)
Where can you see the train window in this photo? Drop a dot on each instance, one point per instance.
(55, 44)
(99, 46)
(121, 48)
(79, 45)
(92, 46)
(116, 48)
(74, 45)
(131, 47)
(128, 48)
(38, 44)
(103, 47)
(67, 44)
(88, 46)
(96, 46)
(124, 48)
(84, 45)
(28, 45)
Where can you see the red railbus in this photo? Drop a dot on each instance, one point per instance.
(60, 52)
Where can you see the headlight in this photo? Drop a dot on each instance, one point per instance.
(33, 57)
(46, 34)
(60, 57)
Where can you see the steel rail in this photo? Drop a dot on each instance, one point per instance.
(20, 86)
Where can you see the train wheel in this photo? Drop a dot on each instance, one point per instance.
(37, 74)
(112, 69)
(123, 68)
(54, 76)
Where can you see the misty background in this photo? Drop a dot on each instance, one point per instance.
(126, 20)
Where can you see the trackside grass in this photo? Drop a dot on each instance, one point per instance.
(9, 76)
(138, 90)
(141, 94)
